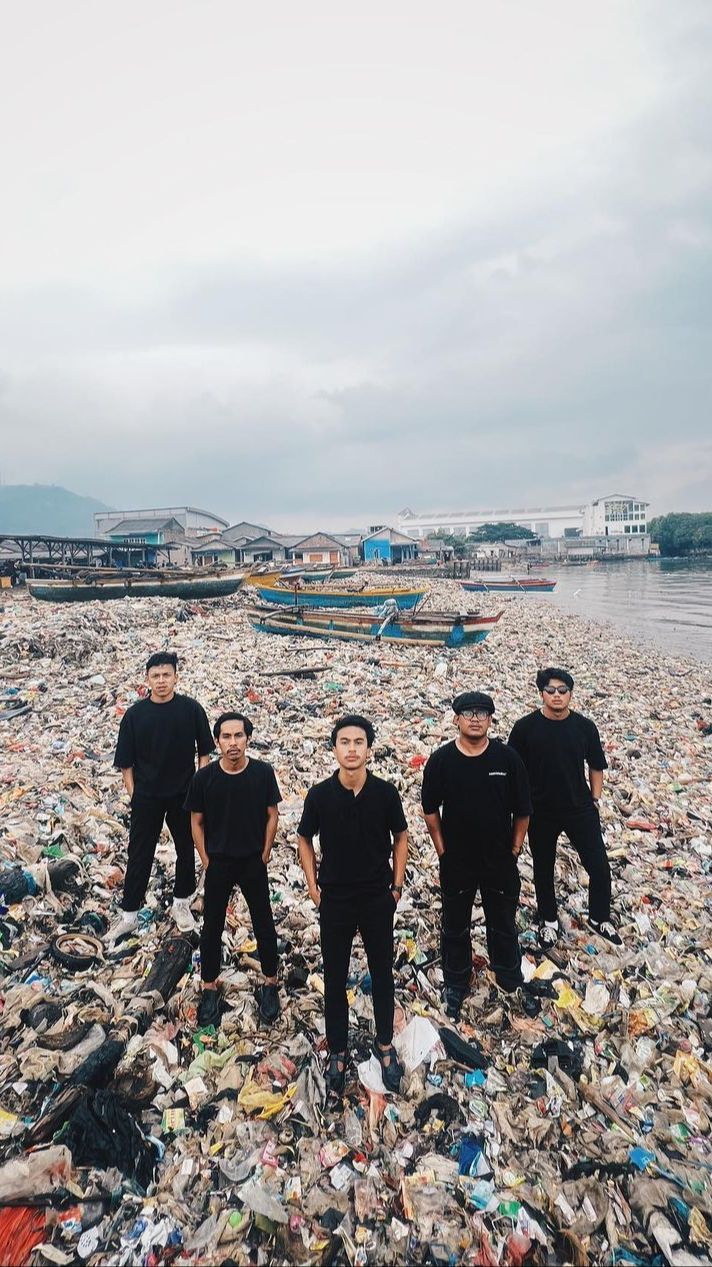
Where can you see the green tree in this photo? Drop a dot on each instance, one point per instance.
(501, 532)
(681, 534)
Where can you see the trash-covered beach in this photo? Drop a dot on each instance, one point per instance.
(580, 1135)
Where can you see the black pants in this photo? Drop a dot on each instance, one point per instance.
(500, 895)
(250, 874)
(147, 817)
(583, 828)
(340, 918)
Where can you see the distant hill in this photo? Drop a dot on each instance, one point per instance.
(47, 508)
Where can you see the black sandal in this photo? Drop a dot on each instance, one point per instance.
(335, 1076)
(391, 1069)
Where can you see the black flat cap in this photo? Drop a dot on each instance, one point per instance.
(472, 699)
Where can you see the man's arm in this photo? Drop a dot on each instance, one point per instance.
(400, 858)
(433, 822)
(128, 778)
(270, 831)
(595, 778)
(307, 859)
(197, 827)
(519, 831)
(203, 761)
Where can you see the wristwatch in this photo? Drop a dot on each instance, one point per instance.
(397, 888)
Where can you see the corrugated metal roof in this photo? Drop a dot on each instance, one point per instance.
(131, 527)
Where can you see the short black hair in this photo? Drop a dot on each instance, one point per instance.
(162, 657)
(354, 719)
(232, 717)
(544, 676)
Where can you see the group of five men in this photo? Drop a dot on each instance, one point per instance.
(480, 798)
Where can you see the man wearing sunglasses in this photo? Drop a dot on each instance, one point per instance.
(475, 799)
(556, 745)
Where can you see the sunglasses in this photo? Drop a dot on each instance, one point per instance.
(479, 713)
(556, 690)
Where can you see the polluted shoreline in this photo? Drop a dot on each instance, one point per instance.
(129, 1136)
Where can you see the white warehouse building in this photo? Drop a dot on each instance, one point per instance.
(615, 516)
(611, 516)
(544, 521)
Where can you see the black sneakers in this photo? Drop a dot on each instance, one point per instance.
(547, 936)
(209, 1009)
(454, 1000)
(269, 1003)
(604, 928)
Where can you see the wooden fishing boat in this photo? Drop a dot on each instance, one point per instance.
(509, 585)
(310, 576)
(438, 629)
(291, 596)
(160, 585)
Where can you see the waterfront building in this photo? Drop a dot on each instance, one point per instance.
(615, 515)
(544, 521)
(194, 522)
(147, 531)
(245, 531)
(385, 545)
(320, 547)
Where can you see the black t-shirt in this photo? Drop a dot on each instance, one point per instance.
(159, 741)
(234, 805)
(479, 796)
(355, 832)
(554, 753)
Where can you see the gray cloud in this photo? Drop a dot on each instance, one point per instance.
(549, 351)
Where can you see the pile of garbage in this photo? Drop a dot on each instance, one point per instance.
(132, 1136)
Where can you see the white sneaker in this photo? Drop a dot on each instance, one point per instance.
(126, 922)
(182, 915)
(548, 934)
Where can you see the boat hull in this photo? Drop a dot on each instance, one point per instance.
(283, 597)
(440, 630)
(510, 586)
(101, 591)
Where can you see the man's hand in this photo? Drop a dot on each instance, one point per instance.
(205, 860)
(265, 855)
(516, 850)
(315, 895)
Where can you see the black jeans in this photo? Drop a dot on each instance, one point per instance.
(147, 817)
(499, 891)
(340, 918)
(250, 874)
(583, 828)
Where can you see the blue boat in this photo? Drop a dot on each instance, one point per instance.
(321, 597)
(440, 629)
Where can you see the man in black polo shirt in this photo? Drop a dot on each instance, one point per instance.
(363, 839)
(555, 744)
(475, 799)
(158, 739)
(234, 815)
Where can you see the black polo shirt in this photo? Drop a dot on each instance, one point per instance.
(355, 832)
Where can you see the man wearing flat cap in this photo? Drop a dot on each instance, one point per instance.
(476, 803)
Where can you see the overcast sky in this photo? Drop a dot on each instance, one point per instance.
(312, 262)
